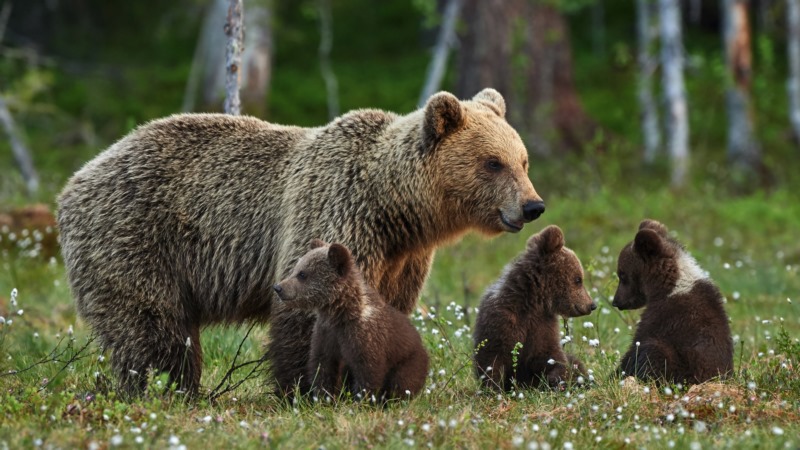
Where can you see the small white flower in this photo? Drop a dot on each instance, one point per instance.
(778, 431)
(133, 372)
(751, 385)
(19, 312)
(587, 325)
(70, 331)
(594, 342)
(138, 439)
(616, 330)
(551, 361)
(116, 440)
(14, 293)
(2, 320)
(173, 440)
(638, 343)
(736, 295)
(668, 390)
(188, 341)
(489, 369)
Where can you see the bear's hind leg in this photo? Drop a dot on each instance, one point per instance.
(289, 348)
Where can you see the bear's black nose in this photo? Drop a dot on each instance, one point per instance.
(277, 288)
(594, 306)
(532, 210)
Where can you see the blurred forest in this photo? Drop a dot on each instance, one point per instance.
(710, 82)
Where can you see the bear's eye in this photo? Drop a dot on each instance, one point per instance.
(494, 165)
(301, 276)
(578, 281)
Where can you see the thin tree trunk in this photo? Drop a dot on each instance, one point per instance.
(447, 36)
(674, 90)
(325, 47)
(598, 29)
(208, 63)
(257, 57)
(233, 56)
(21, 153)
(743, 149)
(793, 39)
(695, 9)
(647, 33)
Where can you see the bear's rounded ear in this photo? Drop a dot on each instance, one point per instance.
(549, 240)
(493, 100)
(340, 259)
(649, 244)
(658, 227)
(316, 243)
(443, 116)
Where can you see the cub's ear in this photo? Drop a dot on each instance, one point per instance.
(658, 227)
(340, 259)
(549, 240)
(493, 100)
(316, 243)
(649, 244)
(443, 116)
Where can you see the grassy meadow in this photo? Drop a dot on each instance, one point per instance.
(56, 390)
(62, 395)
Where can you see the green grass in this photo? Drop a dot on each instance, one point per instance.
(743, 242)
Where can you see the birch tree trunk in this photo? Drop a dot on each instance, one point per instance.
(793, 39)
(325, 47)
(744, 151)
(21, 153)
(647, 33)
(257, 57)
(233, 56)
(677, 123)
(445, 40)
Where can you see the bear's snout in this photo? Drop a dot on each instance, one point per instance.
(594, 306)
(278, 290)
(532, 210)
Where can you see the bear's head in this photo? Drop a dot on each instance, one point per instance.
(558, 273)
(652, 265)
(318, 277)
(480, 164)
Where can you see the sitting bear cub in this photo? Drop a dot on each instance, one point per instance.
(683, 335)
(358, 338)
(522, 308)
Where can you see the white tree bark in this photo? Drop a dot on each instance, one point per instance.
(257, 57)
(743, 148)
(234, 29)
(793, 19)
(677, 122)
(445, 40)
(647, 34)
(21, 153)
(325, 47)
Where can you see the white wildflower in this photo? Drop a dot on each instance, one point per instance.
(551, 361)
(116, 440)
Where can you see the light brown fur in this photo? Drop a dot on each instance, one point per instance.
(189, 220)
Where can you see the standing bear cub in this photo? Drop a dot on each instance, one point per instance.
(358, 338)
(522, 308)
(683, 335)
(189, 221)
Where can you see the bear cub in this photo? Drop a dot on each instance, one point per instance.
(358, 338)
(522, 307)
(683, 335)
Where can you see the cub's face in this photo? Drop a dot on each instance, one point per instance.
(630, 268)
(317, 277)
(480, 163)
(562, 277)
(648, 264)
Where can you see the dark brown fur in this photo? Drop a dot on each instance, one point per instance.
(188, 221)
(683, 333)
(357, 335)
(523, 307)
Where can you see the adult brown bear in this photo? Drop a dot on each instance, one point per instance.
(188, 221)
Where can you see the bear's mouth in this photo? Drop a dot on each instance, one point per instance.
(511, 226)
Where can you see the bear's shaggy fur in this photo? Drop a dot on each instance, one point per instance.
(357, 338)
(188, 221)
(522, 307)
(683, 335)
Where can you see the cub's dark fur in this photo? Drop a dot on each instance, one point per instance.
(357, 335)
(523, 307)
(683, 335)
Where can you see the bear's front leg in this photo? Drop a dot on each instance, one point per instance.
(651, 360)
(289, 349)
(401, 284)
(325, 363)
